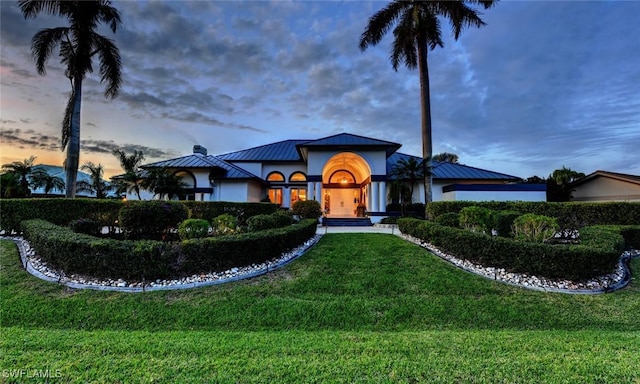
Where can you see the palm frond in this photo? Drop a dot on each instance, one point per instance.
(380, 23)
(43, 44)
(110, 65)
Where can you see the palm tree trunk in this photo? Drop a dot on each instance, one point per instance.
(73, 146)
(425, 103)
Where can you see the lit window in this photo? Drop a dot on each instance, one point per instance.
(298, 195)
(275, 195)
(298, 176)
(275, 176)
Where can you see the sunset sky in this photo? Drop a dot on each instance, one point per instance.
(543, 85)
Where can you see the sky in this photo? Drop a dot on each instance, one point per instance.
(543, 85)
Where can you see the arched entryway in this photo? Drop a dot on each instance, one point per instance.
(345, 177)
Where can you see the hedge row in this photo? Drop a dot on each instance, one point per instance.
(598, 253)
(105, 212)
(569, 215)
(146, 260)
(57, 211)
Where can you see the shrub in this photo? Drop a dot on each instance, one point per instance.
(389, 220)
(536, 228)
(242, 211)
(477, 219)
(86, 226)
(449, 219)
(225, 224)
(193, 229)
(503, 221)
(262, 222)
(151, 220)
(307, 209)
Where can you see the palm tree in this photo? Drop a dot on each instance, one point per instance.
(417, 29)
(10, 186)
(163, 183)
(410, 170)
(130, 181)
(559, 184)
(22, 170)
(97, 185)
(42, 178)
(446, 157)
(78, 43)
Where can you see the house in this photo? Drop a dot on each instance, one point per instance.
(606, 186)
(348, 174)
(58, 171)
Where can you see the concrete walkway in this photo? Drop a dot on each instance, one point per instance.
(390, 229)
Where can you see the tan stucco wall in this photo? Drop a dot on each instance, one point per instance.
(606, 189)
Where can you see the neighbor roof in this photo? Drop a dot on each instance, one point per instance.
(612, 175)
(452, 171)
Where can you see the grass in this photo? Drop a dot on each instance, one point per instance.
(355, 308)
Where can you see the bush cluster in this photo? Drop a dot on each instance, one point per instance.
(476, 219)
(225, 224)
(207, 210)
(572, 215)
(307, 209)
(536, 228)
(389, 220)
(145, 260)
(449, 219)
(277, 219)
(598, 253)
(150, 220)
(193, 229)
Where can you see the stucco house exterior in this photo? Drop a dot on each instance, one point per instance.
(606, 186)
(348, 174)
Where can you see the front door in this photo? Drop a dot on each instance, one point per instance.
(342, 202)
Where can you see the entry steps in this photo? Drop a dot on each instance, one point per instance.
(347, 221)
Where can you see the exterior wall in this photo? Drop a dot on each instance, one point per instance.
(236, 191)
(285, 168)
(254, 192)
(606, 189)
(254, 168)
(377, 161)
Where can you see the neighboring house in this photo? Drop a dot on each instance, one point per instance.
(54, 170)
(347, 174)
(606, 186)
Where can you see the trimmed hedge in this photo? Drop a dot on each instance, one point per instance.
(151, 220)
(278, 219)
(57, 211)
(569, 215)
(63, 211)
(598, 253)
(146, 260)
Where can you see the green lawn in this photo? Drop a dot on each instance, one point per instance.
(356, 308)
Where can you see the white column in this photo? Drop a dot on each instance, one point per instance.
(318, 194)
(286, 197)
(383, 196)
(310, 191)
(374, 196)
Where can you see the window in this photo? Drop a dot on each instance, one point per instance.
(275, 176)
(298, 194)
(275, 195)
(342, 177)
(298, 176)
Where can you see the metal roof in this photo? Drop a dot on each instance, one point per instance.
(280, 151)
(198, 160)
(347, 140)
(611, 175)
(446, 171)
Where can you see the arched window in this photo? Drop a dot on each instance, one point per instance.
(342, 177)
(275, 177)
(298, 176)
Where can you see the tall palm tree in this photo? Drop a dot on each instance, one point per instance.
(132, 177)
(417, 30)
(22, 170)
(42, 178)
(559, 186)
(78, 44)
(97, 185)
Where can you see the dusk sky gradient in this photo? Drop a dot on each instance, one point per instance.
(543, 85)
